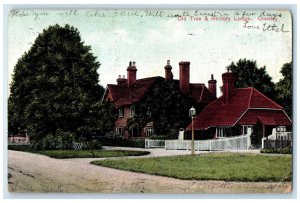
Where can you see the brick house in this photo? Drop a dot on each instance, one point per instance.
(238, 110)
(129, 91)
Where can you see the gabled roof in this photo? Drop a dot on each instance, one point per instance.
(124, 95)
(217, 113)
(200, 93)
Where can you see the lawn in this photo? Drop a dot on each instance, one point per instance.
(215, 166)
(65, 154)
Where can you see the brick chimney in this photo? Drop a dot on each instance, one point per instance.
(184, 76)
(212, 86)
(228, 85)
(121, 81)
(168, 71)
(131, 73)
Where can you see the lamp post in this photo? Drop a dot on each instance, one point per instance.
(192, 114)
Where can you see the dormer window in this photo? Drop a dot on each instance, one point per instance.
(121, 112)
(132, 111)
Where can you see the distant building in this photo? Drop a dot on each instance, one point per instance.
(129, 91)
(237, 111)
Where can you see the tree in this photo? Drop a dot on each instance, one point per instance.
(284, 88)
(167, 106)
(249, 75)
(55, 86)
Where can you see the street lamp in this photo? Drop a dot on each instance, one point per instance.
(192, 114)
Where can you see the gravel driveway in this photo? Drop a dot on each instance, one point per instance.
(37, 173)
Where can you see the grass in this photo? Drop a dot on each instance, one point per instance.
(225, 166)
(65, 154)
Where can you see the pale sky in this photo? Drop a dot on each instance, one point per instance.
(122, 36)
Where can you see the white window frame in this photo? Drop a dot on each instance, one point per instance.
(149, 131)
(121, 112)
(119, 130)
(132, 111)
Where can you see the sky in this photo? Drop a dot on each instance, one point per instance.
(209, 39)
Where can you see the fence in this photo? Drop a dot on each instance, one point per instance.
(154, 143)
(224, 144)
(279, 140)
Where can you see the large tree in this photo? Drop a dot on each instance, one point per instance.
(284, 88)
(55, 86)
(249, 75)
(166, 106)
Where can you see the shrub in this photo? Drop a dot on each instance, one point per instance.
(91, 145)
(277, 151)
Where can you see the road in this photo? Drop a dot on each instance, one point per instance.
(37, 173)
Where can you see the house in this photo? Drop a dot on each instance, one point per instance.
(237, 111)
(129, 91)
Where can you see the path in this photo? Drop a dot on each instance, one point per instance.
(37, 173)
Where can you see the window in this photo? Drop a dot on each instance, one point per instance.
(121, 112)
(119, 130)
(220, 132)
(132, 111)
(149, 131)
(246, 128)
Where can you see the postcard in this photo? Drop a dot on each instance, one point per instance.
(174, 101)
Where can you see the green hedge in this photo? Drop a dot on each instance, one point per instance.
(277, 151)
(121, 142)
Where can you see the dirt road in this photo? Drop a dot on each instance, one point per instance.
(37, 173)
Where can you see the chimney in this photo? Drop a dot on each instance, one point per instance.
(212, 86)
(228, 85)
(121, 81)
(184, 76)
(168, 71)
(131, 73)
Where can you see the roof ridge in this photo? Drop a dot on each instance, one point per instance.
(250, 98)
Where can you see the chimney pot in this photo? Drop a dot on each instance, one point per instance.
(168, 62)
(212, 87)
(133, 63)
(130, 64)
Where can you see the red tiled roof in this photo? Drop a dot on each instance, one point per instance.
(200, 93)
(124, 95)
(217, 113)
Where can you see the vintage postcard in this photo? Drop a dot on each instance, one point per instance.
(157, 101)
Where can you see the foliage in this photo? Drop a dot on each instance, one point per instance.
(284, 88)
(167, 106)
(61, 140)
(277, 151)
(24, 148)
(215, 166)
(249, 75)
(55, 86)
(92, 145)
(121, 142)
(257, 135)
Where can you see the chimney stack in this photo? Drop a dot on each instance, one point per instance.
(184, 76)
(121, 81)
(212, 86)
(228, 85)
(168, 71)
(131, 73)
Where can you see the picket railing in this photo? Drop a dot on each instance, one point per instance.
(223, 144)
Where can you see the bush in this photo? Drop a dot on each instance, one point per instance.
(61, 140)
(277, 151)
(94, 144)
(121, 142)
(25, 148)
